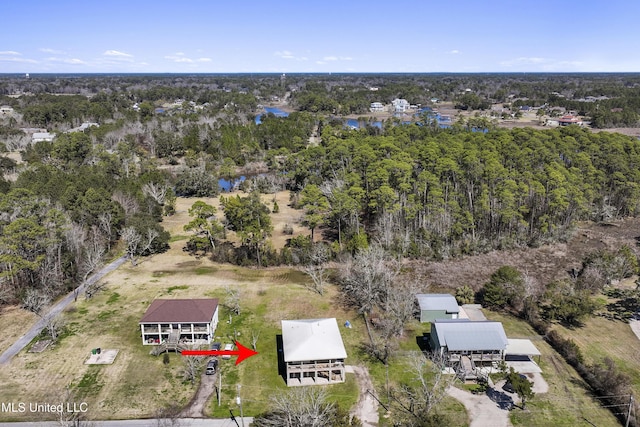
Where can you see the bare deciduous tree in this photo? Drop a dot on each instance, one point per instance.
(157, 192)
(104, 220)
(317, 267)
(367, 277)
(93, 254)
(254, 339)
(299, 407)
(131, 238)
(127, 201)
(191, 368)
(232, 300)
(54, 324)
(67, 418)
(35, 300)
(147, 240)
(416, 402)
(168, 416)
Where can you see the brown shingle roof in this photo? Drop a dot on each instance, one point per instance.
(181, 311)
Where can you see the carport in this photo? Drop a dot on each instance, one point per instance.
(519, 356)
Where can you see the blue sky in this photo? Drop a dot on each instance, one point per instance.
(319, 36)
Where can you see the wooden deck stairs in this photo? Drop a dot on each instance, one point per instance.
(467, 369)
(171, 344)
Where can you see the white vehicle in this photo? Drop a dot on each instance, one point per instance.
(227, 347)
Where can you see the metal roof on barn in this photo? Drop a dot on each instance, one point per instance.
(446, 302)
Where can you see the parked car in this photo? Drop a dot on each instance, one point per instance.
(227, 347)
(212, 365)
(216, 346)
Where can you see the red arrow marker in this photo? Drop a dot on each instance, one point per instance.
(242, 352)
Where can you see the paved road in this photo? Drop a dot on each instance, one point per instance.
(183, 422)
(35, 330)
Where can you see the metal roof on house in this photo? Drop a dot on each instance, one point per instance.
(444, 302)
(181, 311)
(463, 334)
(312, 339)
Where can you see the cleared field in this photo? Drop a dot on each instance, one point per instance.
(137, 384)
(12, 324)
(285, 215)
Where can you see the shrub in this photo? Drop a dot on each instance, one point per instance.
(465, 295)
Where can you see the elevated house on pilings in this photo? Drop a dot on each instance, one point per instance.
(313, 352)
(174, 324)
(468, 346)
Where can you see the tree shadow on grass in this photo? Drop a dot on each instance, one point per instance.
(502, 399)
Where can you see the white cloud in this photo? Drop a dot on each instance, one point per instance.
(52, 51)
(285, 54)
(454, 52)
(10, 52)
(524, 61)
(337, 58)
(117, 54)
(73, 61)
(178, 58)
(15, 58)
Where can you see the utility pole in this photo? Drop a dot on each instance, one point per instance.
(629, 413)
(239, 402)
(219, 385)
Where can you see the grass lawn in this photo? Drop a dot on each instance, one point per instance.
(262, 309)
(568, 402)
(600, 337)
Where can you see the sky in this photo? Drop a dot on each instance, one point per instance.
(267, 36)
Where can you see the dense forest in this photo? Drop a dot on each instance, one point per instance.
(420, 190)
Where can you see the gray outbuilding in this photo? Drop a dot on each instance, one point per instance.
(437, 306)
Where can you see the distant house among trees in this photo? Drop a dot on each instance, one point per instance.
(182, 321)
(313, 352)
(42, 136)
(569, 119)
(376, 107)
(400, 105)
(437, 306)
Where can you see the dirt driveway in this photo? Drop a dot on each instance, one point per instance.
(366, 410)
(196, 408)
(487, 409)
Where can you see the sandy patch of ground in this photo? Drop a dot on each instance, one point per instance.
(635, 327)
